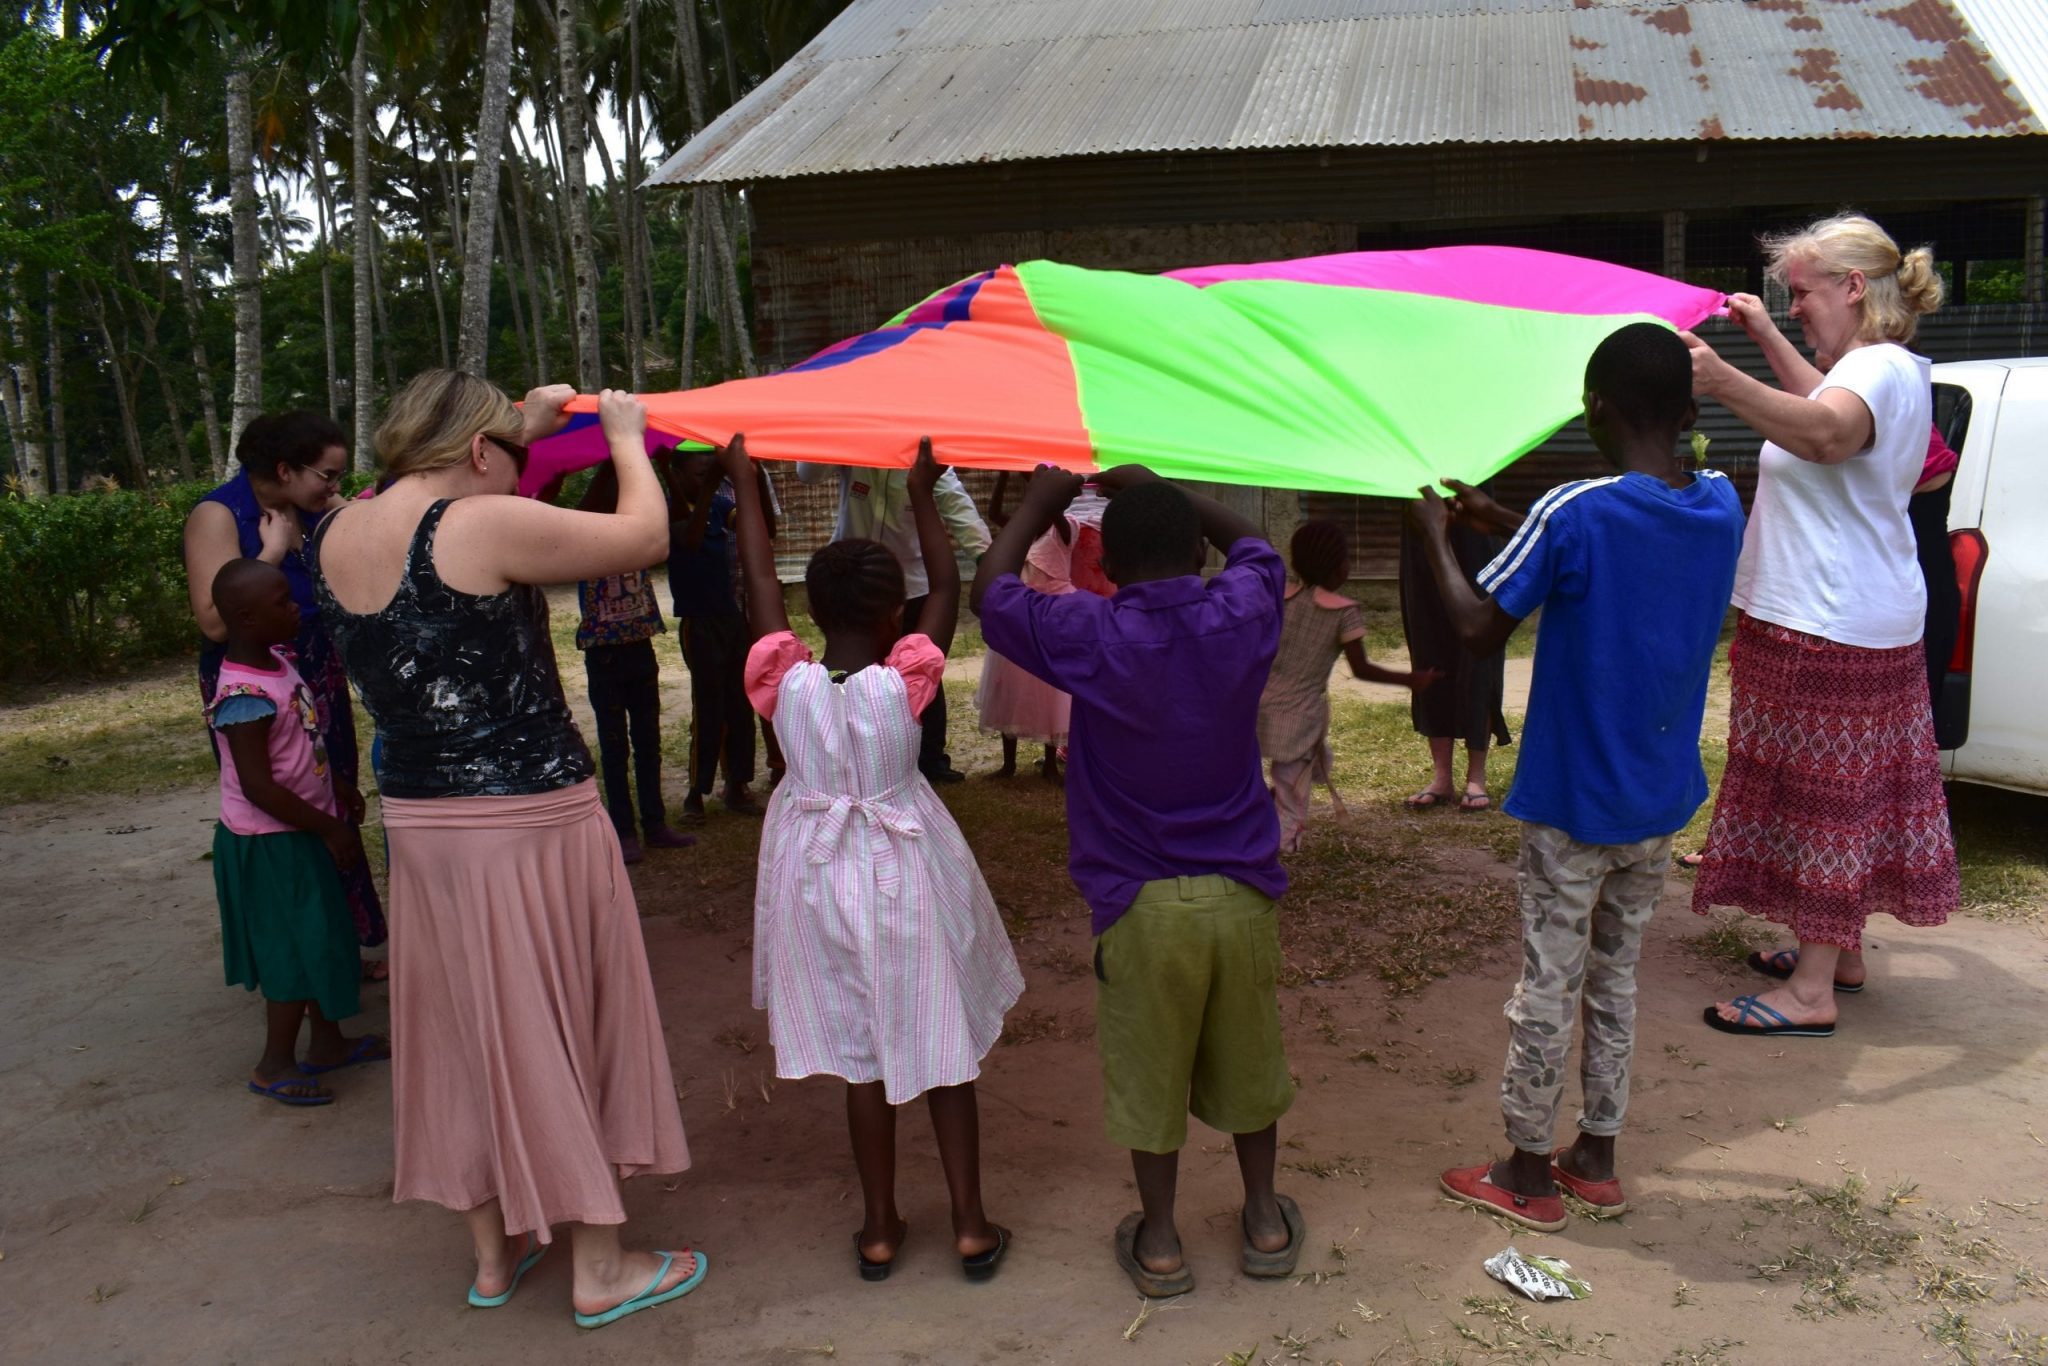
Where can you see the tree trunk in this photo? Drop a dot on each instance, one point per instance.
(503, 247)
(629, 292)
(427, 240)
(569, 106)
(153, 353)
(124, 400)
(363, 380)
(209, 407)
(630, 230)
(383, 303)
(691, 56)
(25, 417)
(242, 204)
(323, 217)
(473, 351)
(693, 249)
(558, 268)
(59, 455)
(533, 290)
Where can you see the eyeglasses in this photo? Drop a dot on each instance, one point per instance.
(330, 478)
(512, 448)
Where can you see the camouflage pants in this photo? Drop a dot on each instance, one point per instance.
(1584, 907)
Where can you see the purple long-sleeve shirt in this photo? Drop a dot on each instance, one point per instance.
(1163, 779)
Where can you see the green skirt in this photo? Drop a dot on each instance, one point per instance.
(284, 920)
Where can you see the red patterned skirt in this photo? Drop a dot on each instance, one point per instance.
(1831, 809)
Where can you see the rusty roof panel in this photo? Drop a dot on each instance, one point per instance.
(894, 84)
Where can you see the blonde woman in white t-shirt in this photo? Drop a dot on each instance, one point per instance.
(1831, 808)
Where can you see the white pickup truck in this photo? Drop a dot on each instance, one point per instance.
(1994, 706)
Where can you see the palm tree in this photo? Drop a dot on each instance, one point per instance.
(248, 251)
(473, 349)
(363, 383)
(569, 113)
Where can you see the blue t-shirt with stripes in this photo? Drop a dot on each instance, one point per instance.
(1633, 577)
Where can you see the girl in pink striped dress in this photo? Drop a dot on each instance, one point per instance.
(878, 952)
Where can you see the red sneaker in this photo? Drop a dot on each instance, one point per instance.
(1603, 1199)
(1472, 1186)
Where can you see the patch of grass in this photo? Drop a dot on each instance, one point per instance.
(1728, 940)
(1998, 842)
(1713, 1352)
(133, 738)
(1032, 1026)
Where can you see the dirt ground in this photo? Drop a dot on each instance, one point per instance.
(1875, 1197)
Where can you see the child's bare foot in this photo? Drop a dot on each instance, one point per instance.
(494, 1273)
(974, 1242)
(1158, 1250)
(325, 1052)
(881, 1247)
(1265, 1227)
(610, 1284)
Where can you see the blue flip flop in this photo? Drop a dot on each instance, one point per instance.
(369, 1043)
(1757, 1019)
(647, 1299)
(276, 1090)
(540, 1250)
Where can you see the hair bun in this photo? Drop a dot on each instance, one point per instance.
(1920, 285)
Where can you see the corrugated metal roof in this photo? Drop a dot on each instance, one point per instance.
(892, 84)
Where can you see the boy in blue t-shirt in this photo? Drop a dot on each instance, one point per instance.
(1633, 573)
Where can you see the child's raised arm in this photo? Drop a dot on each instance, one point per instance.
(942, 600)
(765, 614)
(249, 751)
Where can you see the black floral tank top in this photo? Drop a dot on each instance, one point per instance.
(463, 688)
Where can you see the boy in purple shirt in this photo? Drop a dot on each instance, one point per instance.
(1173, 838)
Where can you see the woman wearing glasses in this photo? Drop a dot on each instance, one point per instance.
(290, 477)
(529, 1071)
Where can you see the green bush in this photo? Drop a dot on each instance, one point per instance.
(93, 581)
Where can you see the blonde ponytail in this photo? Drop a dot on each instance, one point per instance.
(430, 424)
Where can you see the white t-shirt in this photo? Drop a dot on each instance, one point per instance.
(1829, 549)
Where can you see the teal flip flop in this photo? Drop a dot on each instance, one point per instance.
(540, 1250)
(647, 1299)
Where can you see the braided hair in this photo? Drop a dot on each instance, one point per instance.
(853, 585)
(1321, 554)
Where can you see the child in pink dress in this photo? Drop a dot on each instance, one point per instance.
(878, 952)
(282, 837)
(1014, 704)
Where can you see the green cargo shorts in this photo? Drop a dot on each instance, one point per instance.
(1187, 1016)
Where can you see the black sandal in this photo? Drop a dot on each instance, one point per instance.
(877, 1271)
(982, 1265)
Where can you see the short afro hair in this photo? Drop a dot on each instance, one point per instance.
(1320, 552)
(1150, 526)
(853, 585)
(297, 438)
(1644, 373)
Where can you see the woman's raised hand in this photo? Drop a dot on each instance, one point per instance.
(543, 410)
(1747, 312)
(622, 415)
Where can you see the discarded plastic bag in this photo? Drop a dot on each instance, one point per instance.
(1539, 1278)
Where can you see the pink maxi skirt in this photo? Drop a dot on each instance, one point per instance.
(528, 1063)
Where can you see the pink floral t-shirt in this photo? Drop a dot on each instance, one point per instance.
(298, 759)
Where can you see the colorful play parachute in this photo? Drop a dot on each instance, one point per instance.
(1368, 372)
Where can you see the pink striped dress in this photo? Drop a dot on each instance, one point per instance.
(878, 951)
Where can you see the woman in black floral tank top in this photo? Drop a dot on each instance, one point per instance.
(529, 1071)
